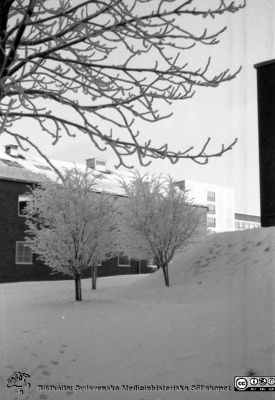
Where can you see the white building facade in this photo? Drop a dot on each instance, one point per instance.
(220, 201)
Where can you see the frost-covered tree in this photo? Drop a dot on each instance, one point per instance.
(99, 67)
(156, 220)
(70, 224)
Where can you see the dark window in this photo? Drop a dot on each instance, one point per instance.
(211, 208)
(123, 261)
(21, 208)
(211, 196)
(211, 222)
(22, 202)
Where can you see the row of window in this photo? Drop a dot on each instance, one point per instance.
(239, 225)
(211, 223)
(24, 255)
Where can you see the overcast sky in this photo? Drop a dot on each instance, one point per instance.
(223, 113)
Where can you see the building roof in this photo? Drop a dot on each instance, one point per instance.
(264, 63)
(18, 174)
(35, 169)
(247, 217)
(186, 182)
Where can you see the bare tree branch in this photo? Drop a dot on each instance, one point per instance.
(98, 66)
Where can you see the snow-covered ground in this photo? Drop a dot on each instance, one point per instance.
(216, 321)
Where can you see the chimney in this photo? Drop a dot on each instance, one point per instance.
(266, 124)
(97, 164)
(11, 150)
(181, 184)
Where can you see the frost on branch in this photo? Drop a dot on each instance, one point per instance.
(70, 224)
(157, 219)
(99, 67)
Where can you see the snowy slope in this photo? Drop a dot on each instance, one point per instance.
(221, 263)
(214, 322)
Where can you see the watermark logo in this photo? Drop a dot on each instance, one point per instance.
(254, 383)
(241, 383)
(19, 380)
(262, 381)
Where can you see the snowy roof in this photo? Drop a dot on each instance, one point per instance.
(35, 169)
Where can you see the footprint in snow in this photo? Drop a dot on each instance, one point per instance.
(41, 366)
(53, 362)
(43, 396)
(47, 373)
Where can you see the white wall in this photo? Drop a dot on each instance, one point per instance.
(224, 203)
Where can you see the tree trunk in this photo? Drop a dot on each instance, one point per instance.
(78, 292)
(165, 274)
(94, 276)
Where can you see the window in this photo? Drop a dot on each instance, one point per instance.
(211, 196)
(238, 225)
(211, 208)
(122, 260)
(152, 264)
(22, 202)
(23, 253)
(102, 163)
(211, 222)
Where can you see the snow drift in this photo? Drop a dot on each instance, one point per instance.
(216, 321)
